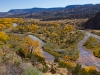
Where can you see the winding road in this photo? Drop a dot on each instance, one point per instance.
(86, 57)
(46, 55)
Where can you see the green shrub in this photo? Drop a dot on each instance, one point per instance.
(29, 55)
(56, 59)
(40, 59)
(93, 44)
(97, 53)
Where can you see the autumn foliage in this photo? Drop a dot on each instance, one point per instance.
(3, 37)
(7, 23)
(63, 63)
(26, 28)
(31, 46)
(89, 68)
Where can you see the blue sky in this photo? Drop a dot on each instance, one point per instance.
(6, 5)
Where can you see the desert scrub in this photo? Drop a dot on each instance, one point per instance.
(71, 53)
(13, 58)
(30, 70)
(17, 60)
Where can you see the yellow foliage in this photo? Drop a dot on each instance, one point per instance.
(88, 68)
(52, 27)
(10, 45)
(56, 24)
(3, 37)
(38, 52)
(71, 63)
(26, 28)
(68, 57)
(7, 22)
(68, 28)
(31, 46)
(2, 26)
(92, 68)
(45, 29)
(54, 34)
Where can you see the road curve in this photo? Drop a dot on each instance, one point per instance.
(86, 57)
(46, 55)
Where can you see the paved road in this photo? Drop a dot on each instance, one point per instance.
(86, 57)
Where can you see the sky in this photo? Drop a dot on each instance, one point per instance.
(6, 5)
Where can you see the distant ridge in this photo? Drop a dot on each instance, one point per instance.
(75, 6)
(68, 12)
(33, 10)
(36, 9)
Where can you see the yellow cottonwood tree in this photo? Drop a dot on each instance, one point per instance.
(31, 46)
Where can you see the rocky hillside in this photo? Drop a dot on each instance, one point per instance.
(93, 23)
